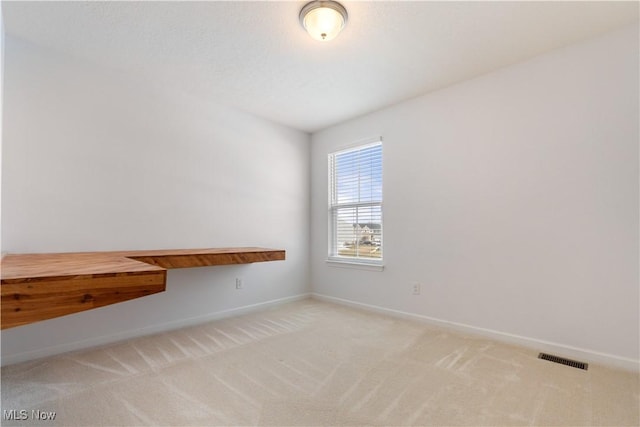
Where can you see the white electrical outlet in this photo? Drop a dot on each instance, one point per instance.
(239, 283)
(416, 288)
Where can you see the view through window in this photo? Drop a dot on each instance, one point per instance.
(355, 203)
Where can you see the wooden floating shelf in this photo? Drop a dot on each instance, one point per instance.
(37, 287)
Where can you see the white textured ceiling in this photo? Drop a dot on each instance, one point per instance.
(255, 55)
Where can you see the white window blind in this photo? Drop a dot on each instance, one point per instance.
(355, 204)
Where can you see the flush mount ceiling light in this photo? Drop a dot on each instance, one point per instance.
(323, 20)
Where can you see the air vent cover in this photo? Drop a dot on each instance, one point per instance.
(563, 361)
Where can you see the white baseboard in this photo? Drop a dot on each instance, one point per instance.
(149, 330)
(589, 356)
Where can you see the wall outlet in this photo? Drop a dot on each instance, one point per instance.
(239, 283)
(416, 288)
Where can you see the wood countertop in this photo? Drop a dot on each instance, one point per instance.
(37, 287)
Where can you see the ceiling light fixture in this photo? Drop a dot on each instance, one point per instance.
(322, 19)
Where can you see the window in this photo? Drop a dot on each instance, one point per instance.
(355, 204)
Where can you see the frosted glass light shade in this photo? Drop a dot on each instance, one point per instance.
(323, 20)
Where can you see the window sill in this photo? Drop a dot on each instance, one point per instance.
(355, 265)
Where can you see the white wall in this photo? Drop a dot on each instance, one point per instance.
(512, 198)
(94, 160)
(1, 113)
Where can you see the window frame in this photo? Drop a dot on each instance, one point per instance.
(333, 259)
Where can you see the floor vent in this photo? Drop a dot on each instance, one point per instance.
(563, 361)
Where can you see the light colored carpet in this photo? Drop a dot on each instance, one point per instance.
(315, 363)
